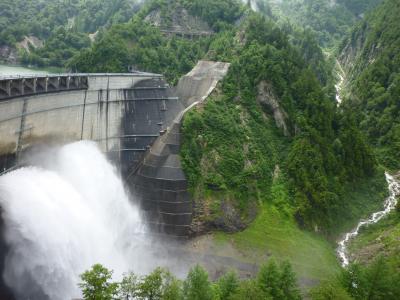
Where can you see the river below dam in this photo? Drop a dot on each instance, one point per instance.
(389, 205)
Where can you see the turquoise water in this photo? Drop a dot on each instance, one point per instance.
(7, 70)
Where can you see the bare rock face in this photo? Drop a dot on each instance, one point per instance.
(28, 42)
(8, 55)
(357, 54)
(178, 21)
(93, 36)
(225, 216)
(267, 98)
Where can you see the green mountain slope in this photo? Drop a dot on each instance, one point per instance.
(271, 116)
(371, 58)
(231, 155)
(329, 20)
(63, 26)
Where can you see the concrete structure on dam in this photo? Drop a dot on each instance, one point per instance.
(159, 180)
(134, 117)
(124, 113)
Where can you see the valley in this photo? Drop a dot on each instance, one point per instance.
(261, 139)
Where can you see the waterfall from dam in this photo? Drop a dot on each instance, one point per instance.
(389, 205)
(62, 215)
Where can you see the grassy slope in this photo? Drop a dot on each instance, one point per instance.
(275, 232)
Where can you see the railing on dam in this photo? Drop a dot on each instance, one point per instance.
(29, 85)
(12, 86)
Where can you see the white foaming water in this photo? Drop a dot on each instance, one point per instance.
(62, 218)
(340, 83)
(253, 4)
(338, 87)
(389, 205)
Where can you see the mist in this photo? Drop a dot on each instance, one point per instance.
(65, 212)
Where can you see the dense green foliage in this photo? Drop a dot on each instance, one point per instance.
(216, 13)
(61, 46)
(40, 18)
(375, 79)
(329, 21)
(143, 46)
(378, 281)
(63, 25)
(273, 282)
(96, 284)
(325, 151)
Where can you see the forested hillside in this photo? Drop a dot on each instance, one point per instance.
(371, 57)
(233, 148)
(329, 20)
(62, 25)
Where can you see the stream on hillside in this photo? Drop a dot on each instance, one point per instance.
(340, 83)
(389, 205)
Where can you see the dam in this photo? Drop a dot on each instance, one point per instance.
(133, 117)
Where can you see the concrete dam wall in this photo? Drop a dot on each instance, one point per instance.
(135, 118)
(159, 180)
(124, 113)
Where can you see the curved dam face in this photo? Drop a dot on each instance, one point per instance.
(134, 118)
(159, 181)
(124, 113)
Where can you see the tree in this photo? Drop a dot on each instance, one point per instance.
(329, 290)
(151, 286)
(159, 285)
(197, 286)
(268, 280)
(129, 286)
(288, 282)
(249, 289)
(96, 284)
(172, 289)
(379, 280)
(228, 284)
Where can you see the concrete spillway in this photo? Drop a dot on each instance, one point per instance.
(159, 180)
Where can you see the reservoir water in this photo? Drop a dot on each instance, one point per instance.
(7, 70)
